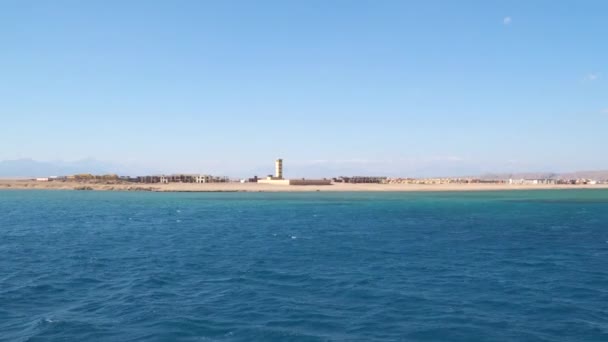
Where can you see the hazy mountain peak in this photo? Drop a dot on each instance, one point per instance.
(27, 167)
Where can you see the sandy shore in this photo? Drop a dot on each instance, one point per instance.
(255, 187)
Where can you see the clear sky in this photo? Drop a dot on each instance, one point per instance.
(404, 88)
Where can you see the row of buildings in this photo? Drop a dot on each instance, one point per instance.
(442, 181)
(112, 178)
(278, 179)
(511, 181)
(578, 181)
(360, 180)
(202, 179)
(387, 180)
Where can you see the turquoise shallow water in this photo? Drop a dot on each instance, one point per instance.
(487, 266)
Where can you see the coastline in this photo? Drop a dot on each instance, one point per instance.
(257, 187)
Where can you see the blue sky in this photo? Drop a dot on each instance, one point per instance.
(410, 88)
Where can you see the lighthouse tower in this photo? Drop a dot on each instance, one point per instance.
(278, 168)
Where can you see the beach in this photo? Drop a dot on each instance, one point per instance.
(257, 187)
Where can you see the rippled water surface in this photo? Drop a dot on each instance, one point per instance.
(487, 266)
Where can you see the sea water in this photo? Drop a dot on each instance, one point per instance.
(474, 266)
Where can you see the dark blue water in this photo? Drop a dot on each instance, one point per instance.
(488, 266)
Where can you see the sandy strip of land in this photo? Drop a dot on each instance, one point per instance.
(255, 187)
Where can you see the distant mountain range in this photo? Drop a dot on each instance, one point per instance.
(594, 175)
(28, 168)
(31, 168)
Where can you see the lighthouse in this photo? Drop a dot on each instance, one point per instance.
(278, 168)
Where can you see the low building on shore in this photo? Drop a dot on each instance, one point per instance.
(532, 181)
(87, 177)
(303, 181)
(183, 178)
(435, 181)
(361, 180)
